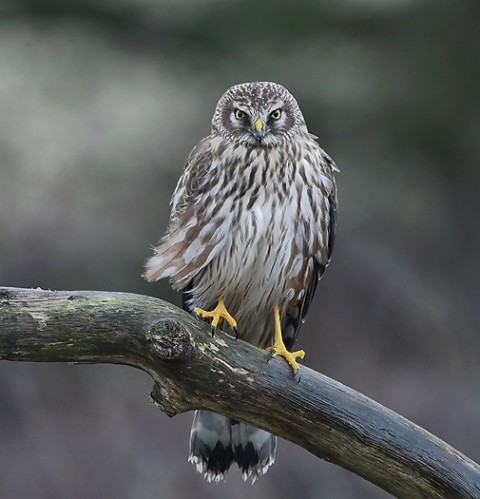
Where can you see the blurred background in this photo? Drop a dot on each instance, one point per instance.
(100, 103)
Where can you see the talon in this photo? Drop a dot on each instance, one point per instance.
(270, 354)
(278, 348)
(218, 314)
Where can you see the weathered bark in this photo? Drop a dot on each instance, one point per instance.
(191, 371)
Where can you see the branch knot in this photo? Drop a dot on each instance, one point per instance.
(169, 340)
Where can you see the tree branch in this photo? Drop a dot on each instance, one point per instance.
(193, 371)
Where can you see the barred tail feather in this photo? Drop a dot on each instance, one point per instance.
(216, 442)
(253, 449)
(210, 445)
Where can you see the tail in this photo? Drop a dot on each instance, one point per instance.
(216, 442)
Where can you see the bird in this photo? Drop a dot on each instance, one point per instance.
(251, 231)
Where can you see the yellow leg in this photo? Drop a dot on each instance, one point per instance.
(218, 314)
(279, 349)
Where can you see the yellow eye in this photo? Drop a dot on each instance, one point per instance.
(275, 115)
(240, 115)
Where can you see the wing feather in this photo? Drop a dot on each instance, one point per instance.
(296, 315)
(171, 258)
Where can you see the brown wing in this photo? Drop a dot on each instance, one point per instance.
(168, 259)
(191, 183)
(295, 317)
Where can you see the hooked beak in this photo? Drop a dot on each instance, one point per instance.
(260, 129)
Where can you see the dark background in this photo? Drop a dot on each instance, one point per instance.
(100, 104)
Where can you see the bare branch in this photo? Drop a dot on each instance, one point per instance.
(193, 371)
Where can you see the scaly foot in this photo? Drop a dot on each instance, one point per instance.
(218, 314)
(278, 348)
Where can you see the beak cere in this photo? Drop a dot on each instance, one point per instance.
(260, 128)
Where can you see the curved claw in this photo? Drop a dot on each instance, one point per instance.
(271, 353)
(235, 330)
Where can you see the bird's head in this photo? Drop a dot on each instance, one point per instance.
(261, 114)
